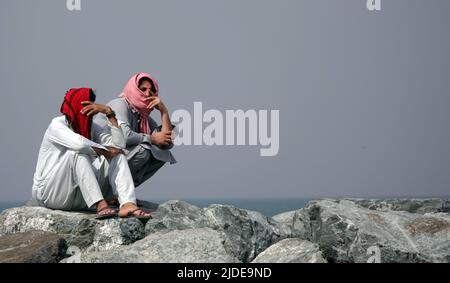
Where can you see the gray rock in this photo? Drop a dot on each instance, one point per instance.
(176, 215)
(132, 230)
(32, 247)
(344, 231)
(202, 245)
(293, 220)
(421, 206)
(291, 251)
(285, 217)
(81, 230)
(248, 232)
(348, 232)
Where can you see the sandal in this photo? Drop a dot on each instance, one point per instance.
(111, 213)
(131, 213)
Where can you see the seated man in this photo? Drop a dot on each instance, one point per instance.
(147, 144)
(81, 162)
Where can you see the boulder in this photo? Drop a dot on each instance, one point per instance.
(348, 232)
(176, 215)
(292, 250)
(201, 245)
(422, 206)
(247, 232)
(331, 230)
(79, 229)
(32, 247)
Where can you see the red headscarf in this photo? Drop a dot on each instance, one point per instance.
(71, 107)
(137, 99)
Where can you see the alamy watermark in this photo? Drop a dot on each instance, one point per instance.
(73, 5)
(373, 5)
(235, 127)
(74, 254)
(374, 254)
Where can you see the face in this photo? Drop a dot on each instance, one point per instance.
(146, 87)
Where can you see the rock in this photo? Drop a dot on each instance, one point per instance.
(285, 217)
(81, 230)
(202, 245)
(248, 232)
(132, 230)
(176, 215)
(291, 251)
(293, 221)
(32, 247)
(421, 206)
(348, 232)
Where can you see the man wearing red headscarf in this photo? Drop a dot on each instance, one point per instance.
(147, 143)
(81, 163)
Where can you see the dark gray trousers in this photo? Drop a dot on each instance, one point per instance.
(143, 165)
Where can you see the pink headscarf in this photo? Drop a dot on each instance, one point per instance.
(137, 99)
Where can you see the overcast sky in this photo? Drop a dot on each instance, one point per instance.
(363, 96)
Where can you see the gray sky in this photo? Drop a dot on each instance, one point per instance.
(363, 96)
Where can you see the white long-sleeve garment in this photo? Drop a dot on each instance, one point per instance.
(63, 152)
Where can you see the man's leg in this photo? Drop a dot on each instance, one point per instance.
(74, 186)
(120, 179)
(121, 184)
(143, 165)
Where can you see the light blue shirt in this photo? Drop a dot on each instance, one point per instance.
(129, 120)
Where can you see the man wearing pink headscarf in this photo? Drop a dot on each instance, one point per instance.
(148, 144)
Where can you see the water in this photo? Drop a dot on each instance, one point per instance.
(9, 204)
(268, 207)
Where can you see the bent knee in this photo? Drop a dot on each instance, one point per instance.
(142, 155)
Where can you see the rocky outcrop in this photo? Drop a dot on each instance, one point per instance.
(347, 231)
(328, 230)
(421, 206)
(32, 247)
(78, 229)
(292, 250)
(202, 245)
(246, 233)
(243, 234)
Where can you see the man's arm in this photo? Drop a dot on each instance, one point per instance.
(109, 135)
(121, 109)
(165, 118)
(59, 133)
(164, 137)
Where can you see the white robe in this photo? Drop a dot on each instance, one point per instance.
(70, 176)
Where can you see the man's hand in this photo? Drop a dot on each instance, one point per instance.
(92, 108)
(155, 102)
(110, 153)
(161, 138)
